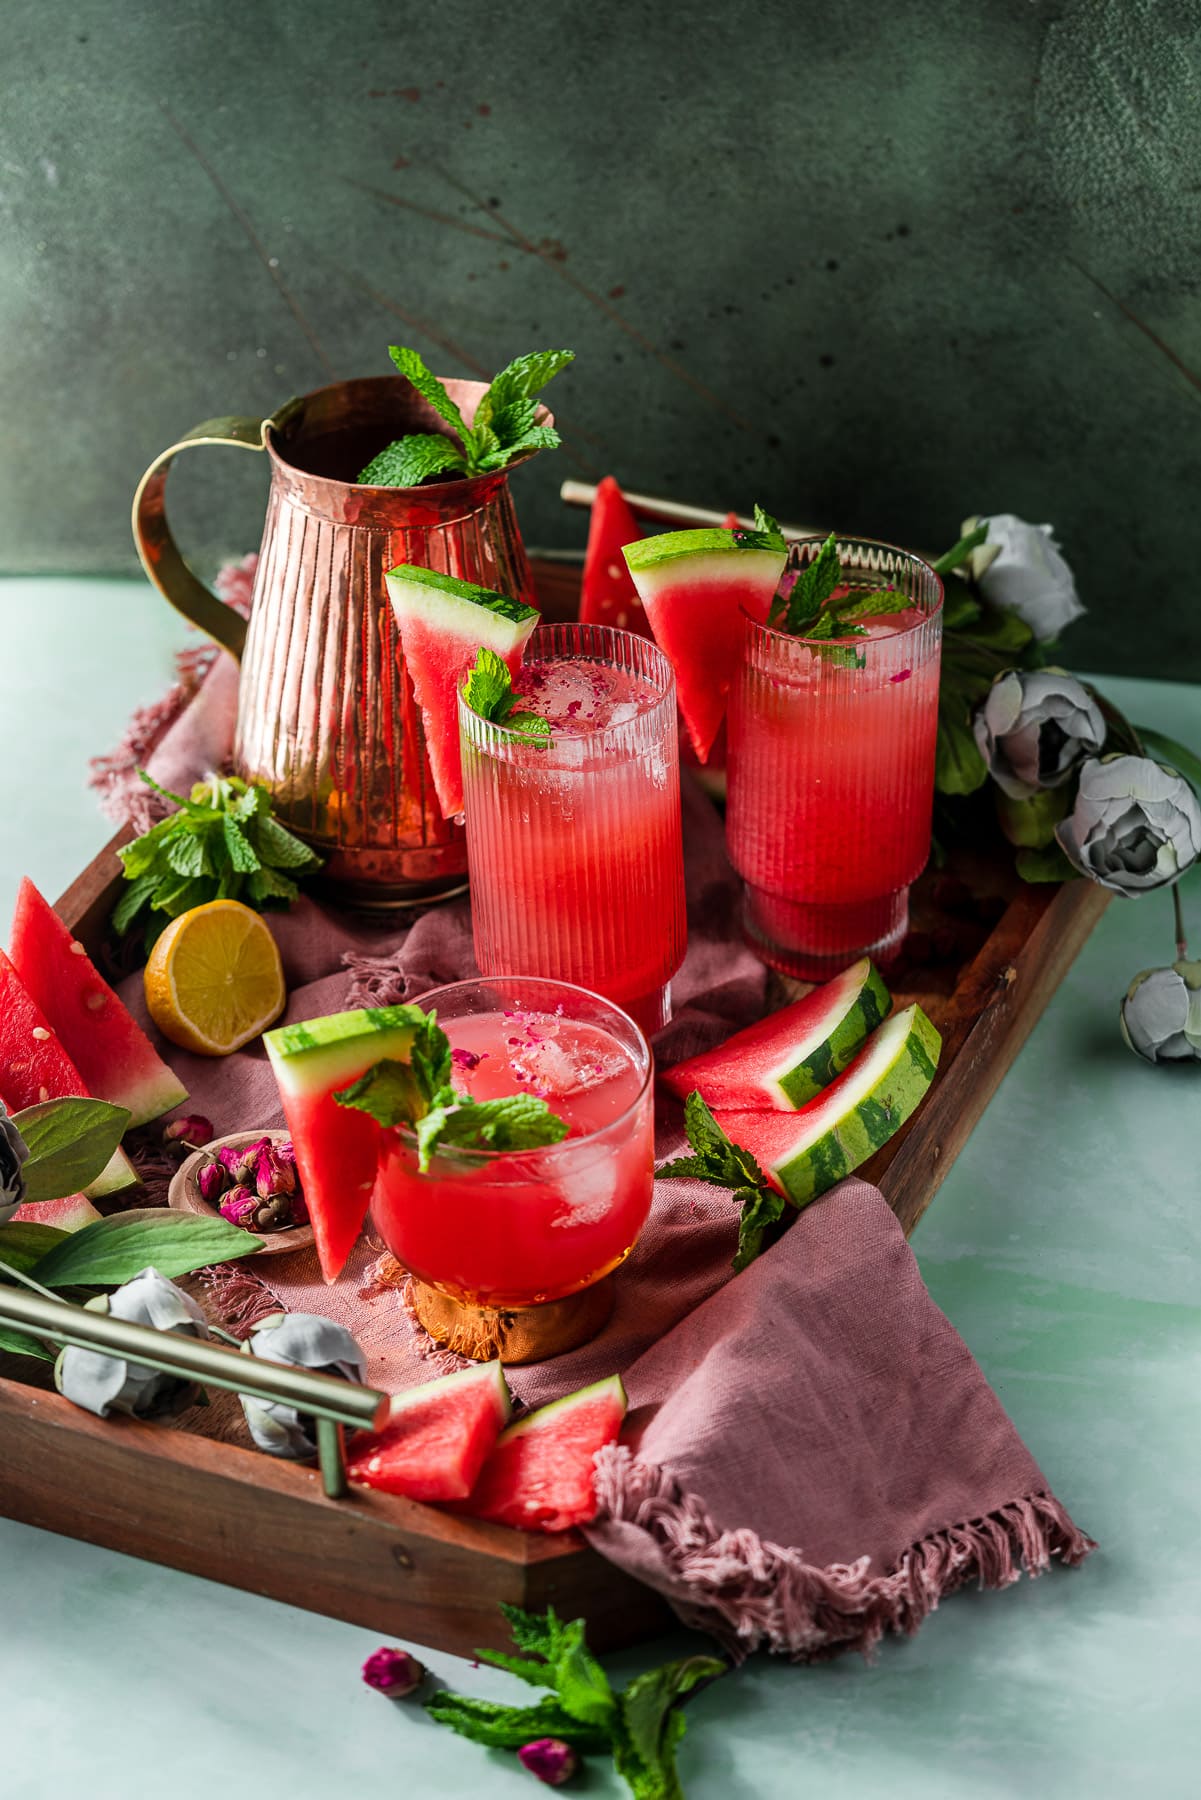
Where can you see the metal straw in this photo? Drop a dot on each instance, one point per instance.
(331, 1401)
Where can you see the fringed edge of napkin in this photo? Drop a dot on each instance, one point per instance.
(752, 1594)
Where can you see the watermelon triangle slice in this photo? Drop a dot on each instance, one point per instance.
(540, 1474)
(608, 595)
(694, 585)
(436, 1437)
(443, 624)
(337, 1147)
(804, 1153)
(788, 1058)
(111, 1051)
(34, 1067)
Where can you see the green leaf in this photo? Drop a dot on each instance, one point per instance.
(538, 437)
(179, 894)
(513, 1122)
(267, 885)
(114, 1250)
(960, 608)
(70, 1141)
(135, 896)
(959, 767)
(813, 587)
(241, 853)
(528, 725)
(429, 387)
(277, 846)
(509, 1727)
(188, 853)
(511, 422)
(960, 552)
(23, 1245)
(866, 603)
(143, 854)
(488, 691)
(645, 1750)
(521, 379)
(408, 461)
(430, 1056)
(767, 526)
(389, 1092)
(539, 1633)
(1044, 865)
(1005, 633)
(761, 1209)
(18, 1344)
(1165, 749)
(581, 1683)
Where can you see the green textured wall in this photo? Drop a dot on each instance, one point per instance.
(878, 264)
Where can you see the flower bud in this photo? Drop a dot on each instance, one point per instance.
(1034, 728)
(306, 1341)
(550, 1759)
(192, 1129)
(393, 1673)
(212, 1182)
(272, 1174)
(14, 1152)
(240, 1206)
(103, 1384)
(1161, 1014)
(1136, 824)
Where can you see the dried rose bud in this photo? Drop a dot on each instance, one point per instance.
(393, 1673)
(239, 1207)
(212, 1182)
(274, 1214)
(272, 1175)
(550, 1759)
(230, 1160)
(192, 1129)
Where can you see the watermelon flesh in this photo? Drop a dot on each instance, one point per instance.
(804, 1153)
(540, 1475)
(34, 1066)
(608, 595)
(694, 586)
(69, 1214)
(337, 1147)
(436, 1438)
(787, 1059)
(443, 624)
(111, 1051)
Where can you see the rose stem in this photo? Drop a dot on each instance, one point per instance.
(1181, 941)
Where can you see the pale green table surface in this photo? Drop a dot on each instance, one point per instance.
(1065, 1245)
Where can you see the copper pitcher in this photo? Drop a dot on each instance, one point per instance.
(326, 715)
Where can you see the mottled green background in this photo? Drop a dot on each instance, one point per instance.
(878, 264)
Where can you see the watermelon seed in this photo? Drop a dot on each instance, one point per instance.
(40, 1032)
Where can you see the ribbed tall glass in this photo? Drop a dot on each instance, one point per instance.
(573, 842)
(831, 771)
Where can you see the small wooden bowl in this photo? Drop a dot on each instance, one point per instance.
(185, 1196)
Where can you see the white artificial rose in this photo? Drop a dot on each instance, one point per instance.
(1019, 569)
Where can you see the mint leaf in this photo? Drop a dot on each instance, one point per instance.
(813, 587)
(429, 387)
(488, 691)
(767, 526)
(645, 1750)
(430, 1058)
(389, 1092)
(722, 1163)
(408, 461)
(538, 1633)
(513, 1122)
(761, 1209)
(521, 379)
(867, 603)
(276, 845)
(509, 1727)
(538, 437)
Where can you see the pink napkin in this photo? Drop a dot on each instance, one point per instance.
(812, 1455)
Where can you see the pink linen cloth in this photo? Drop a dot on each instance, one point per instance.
(812, 1455)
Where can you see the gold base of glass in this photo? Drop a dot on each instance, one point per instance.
(514, 1334)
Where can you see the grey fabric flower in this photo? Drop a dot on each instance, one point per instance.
(1161, 1014)
(1136, 824)
(14, 1152)
(1019, 569)
(103, 1384)
(1034, 728)
(306, 1341)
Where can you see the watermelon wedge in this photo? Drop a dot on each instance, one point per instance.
(608, 595)
(788, 1058)
(804, 1153)
(337, 1147)
(443, 623)
(69, 1214)
(539, 1476)
(34, 1066)
(693, 585)
(437, 1437)
(111, 1051)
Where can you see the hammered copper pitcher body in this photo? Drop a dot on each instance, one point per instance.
(326, 715)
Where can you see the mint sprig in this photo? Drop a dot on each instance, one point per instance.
(418, 1093)
(488, 691)
(723, 1163)
(221, 844)
(502, 429)
(640, 1726)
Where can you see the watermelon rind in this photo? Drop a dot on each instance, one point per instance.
(117, 1060)
(551, 1416)
(305, 1050)
(806, 1153)
(375, 1461)
(413, 575)
(787, 1059)
(670, 546)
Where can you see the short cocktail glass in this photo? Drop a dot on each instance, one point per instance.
(511, 1250)
(831, 770)
(573, 841)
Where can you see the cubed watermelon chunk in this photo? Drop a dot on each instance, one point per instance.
(540, 1475)
(337, 1147)
(788, 1058)
(694, 585)
(607, 593)
(34, 1066)
(804, 1153)
(443, 624)
(69, 1214)
(436, 1438)
(111, 1051)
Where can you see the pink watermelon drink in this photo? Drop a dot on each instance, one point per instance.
(517, 1228)
(831, 775)
(573, 838)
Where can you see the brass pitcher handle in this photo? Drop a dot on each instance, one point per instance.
(160, 554)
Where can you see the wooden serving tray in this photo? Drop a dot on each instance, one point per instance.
(990, 952)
